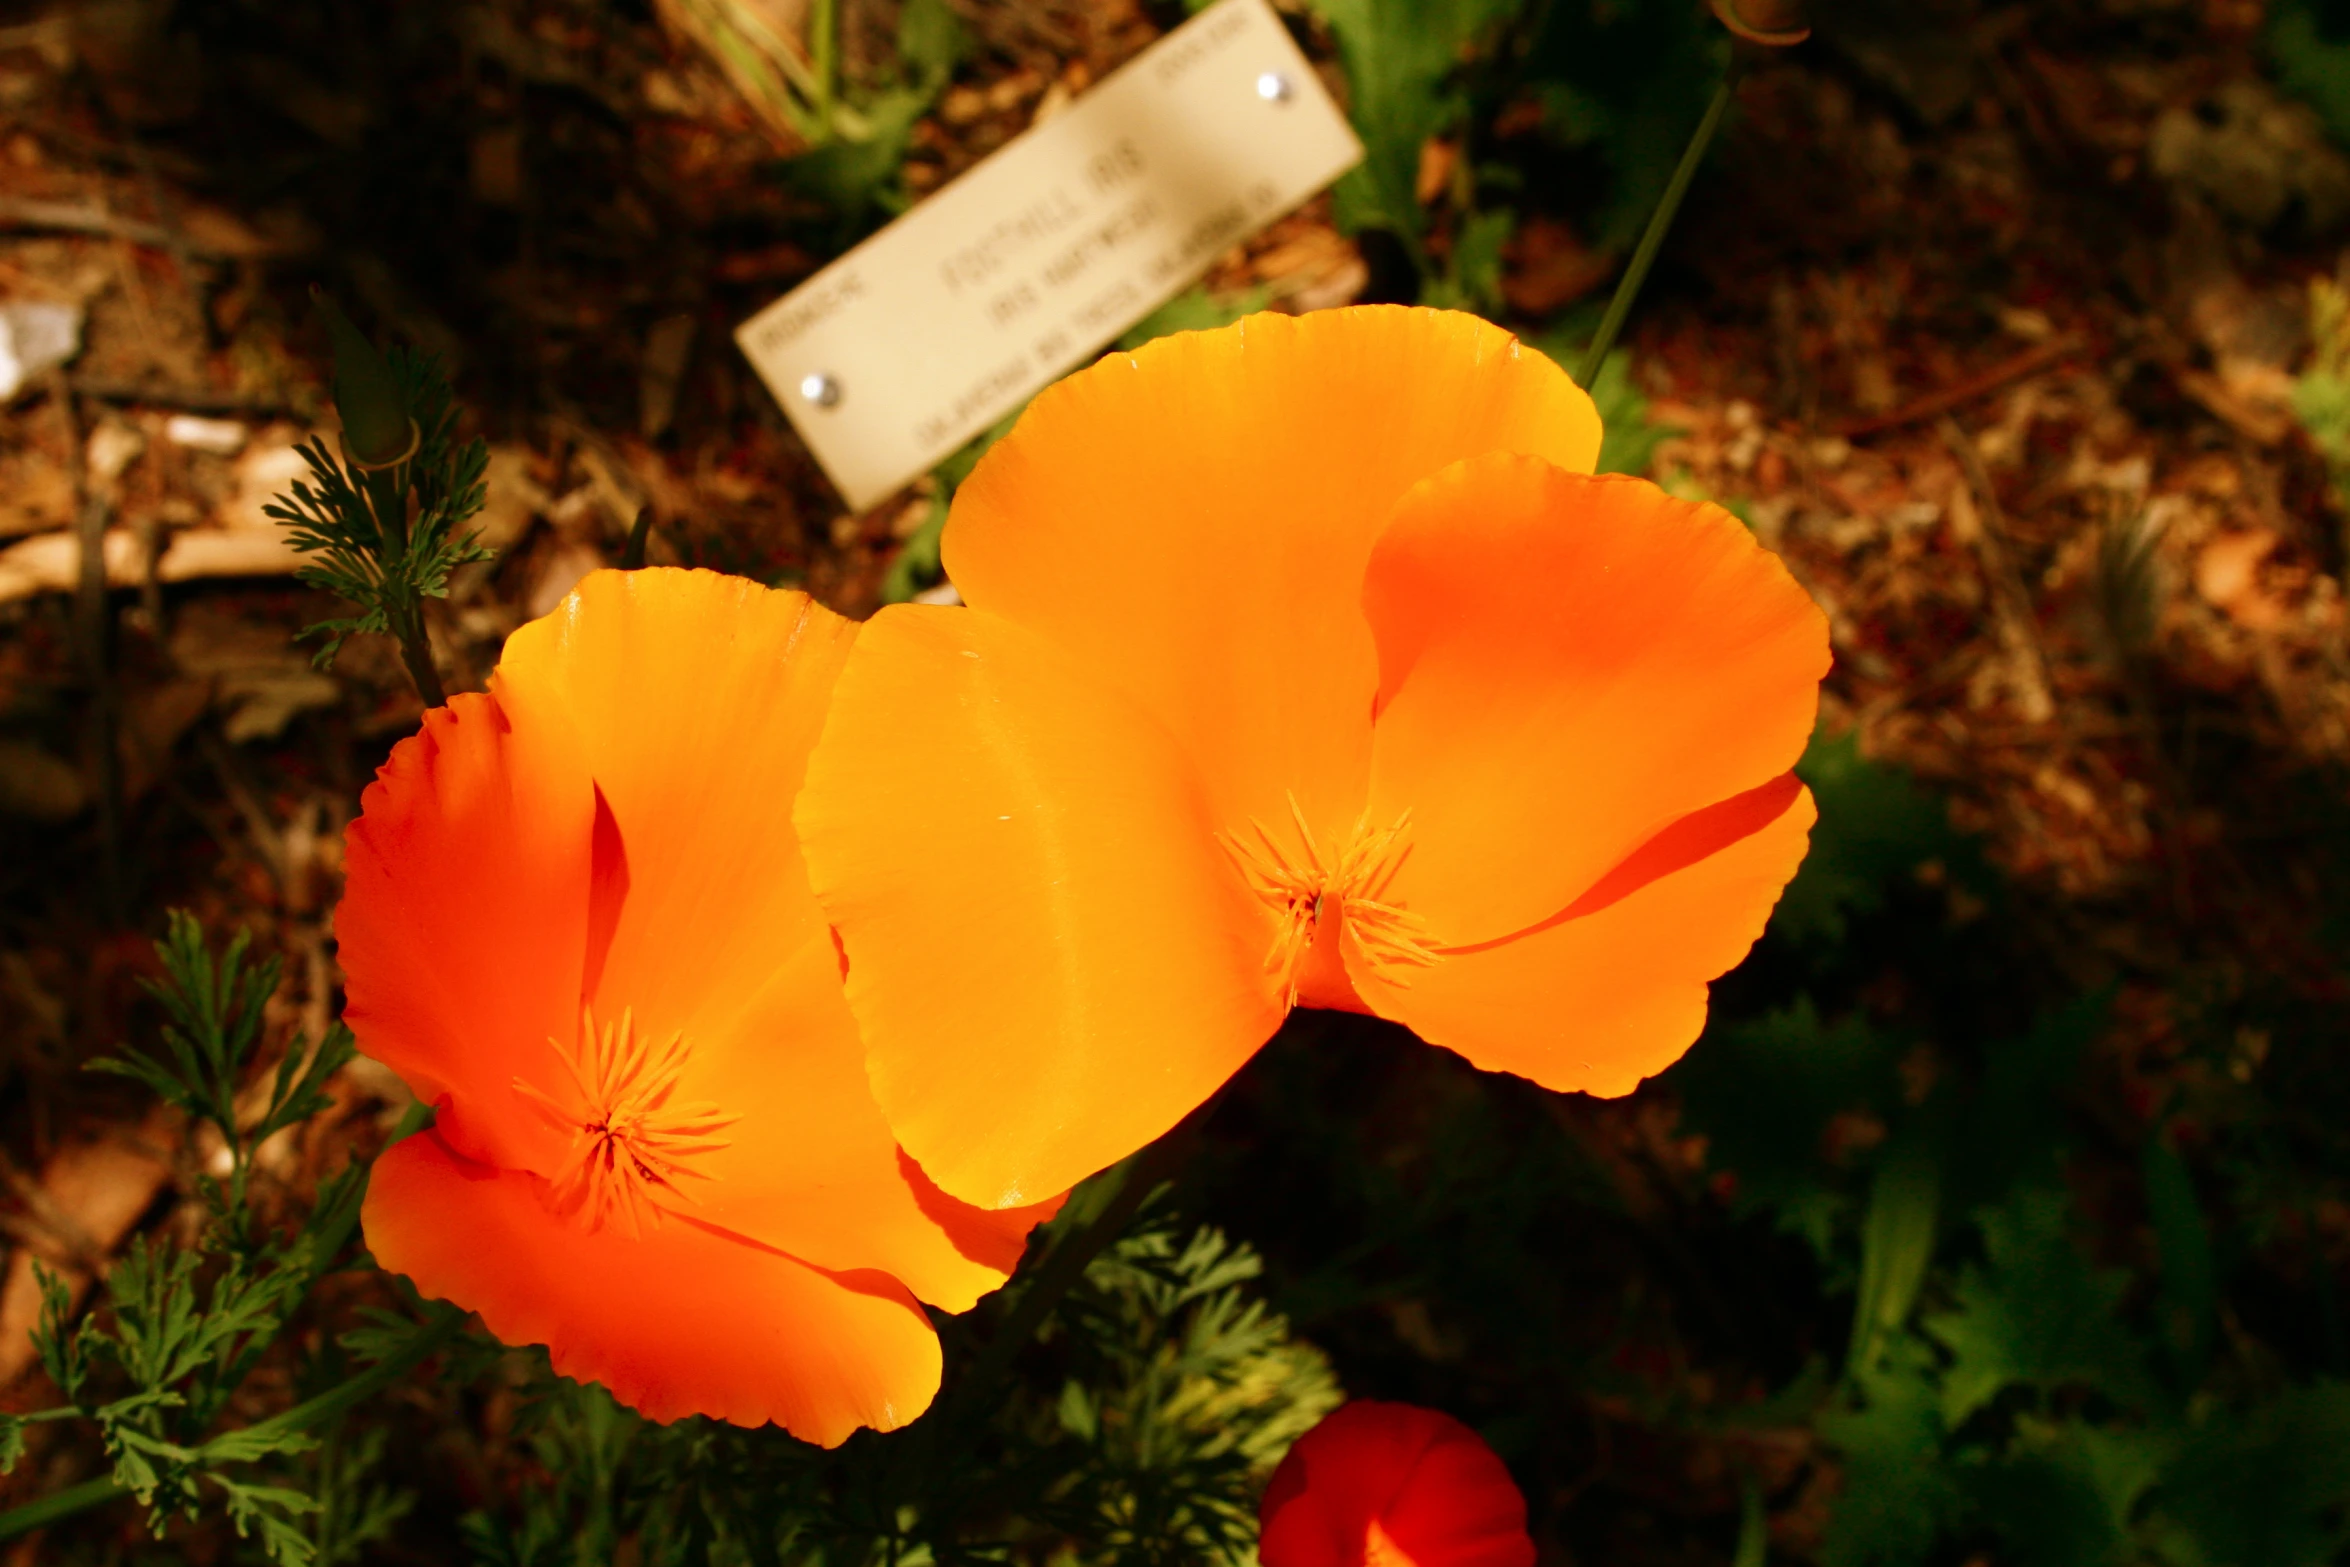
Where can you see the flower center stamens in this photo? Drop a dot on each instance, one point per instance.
(1357, 877)
(629, 1144)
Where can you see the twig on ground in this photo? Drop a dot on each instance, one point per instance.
(2011, 601)
(1960, 393)
(23, 214)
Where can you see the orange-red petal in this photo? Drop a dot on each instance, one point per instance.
(1191, 521)
(1614, 988)
(1392, 1485)
(1568, 665)
(682, 1320)
(1050, 957)
(696, 698)
(464, 916)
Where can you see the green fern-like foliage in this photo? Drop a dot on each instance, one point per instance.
(388, 538)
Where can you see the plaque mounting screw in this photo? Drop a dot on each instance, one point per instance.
(1274, 87)
(819, 388)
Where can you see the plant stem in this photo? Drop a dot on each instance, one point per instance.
(632, 554)
(438, 1326)
(386, 494)
(407, 623)
(1148, 1169)
(824, 57)
(412, 1120)
(1659, 224)
(41, 1513)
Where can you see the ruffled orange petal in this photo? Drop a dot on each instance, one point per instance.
(1568, 665)
(683, 1320)
(1191, 521)
(697, 697)
(1392, 1485)
(1614, 988)
(464, 916)
(1050, 957)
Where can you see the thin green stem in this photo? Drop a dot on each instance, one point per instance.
(439, 1325)
(640, 533)
(975, 1393)
(436, 1329)
(407, 622)
(58, 1505)
(331, 1242)
(824, 56)
(1660, 223)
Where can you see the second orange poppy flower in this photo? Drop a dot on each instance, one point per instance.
(1305, 664)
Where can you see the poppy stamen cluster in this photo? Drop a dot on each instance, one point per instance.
(1345, 897)
(629, 1140)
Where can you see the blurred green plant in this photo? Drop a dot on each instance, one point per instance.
(1615, 87)
(381, 520)
(2309, 44)
(2009, 1378)
(2321, 393)
(184, 1329)
(856, 167)
(1402, 60)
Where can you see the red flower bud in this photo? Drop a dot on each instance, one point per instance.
(1391, 1485)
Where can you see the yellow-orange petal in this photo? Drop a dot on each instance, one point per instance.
(683, 1320)
(1191, 521)
(1050, 957)
(1568, 665)
(1613, 989)
(696, 698)
(464, 916)
(812, 1168)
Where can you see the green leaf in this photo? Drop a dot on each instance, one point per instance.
(1399, 57)
(2035, 1313)
(352, 1512)
(2310, 48)
(2063, 1495)
(11, 1442)
(932, 41)
(1628, 437)
(1193, 310)
(1898, 1493)
(273, 1512)
(1896, 1239)
(1626, 83)
(369, 398)
(2013, 1126)
(64, 1352)
(917, 566)
(1875, 826)
(299, 1091)
(2270, 1486)
(1762, 1093)
(2188, 1309)
(1472, 272)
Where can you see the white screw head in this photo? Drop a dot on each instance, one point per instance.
(1274, 87)
(820, 389)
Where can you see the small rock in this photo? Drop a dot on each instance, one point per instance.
(35, 338)
(220, 437)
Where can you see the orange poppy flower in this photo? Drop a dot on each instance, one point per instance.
(1305, 664)
(1392, 1485)
(577, 922)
